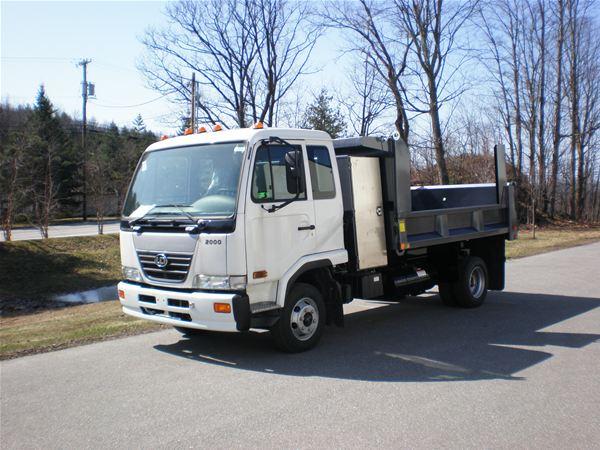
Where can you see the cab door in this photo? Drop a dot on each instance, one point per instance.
(326, 194)
(280, 218)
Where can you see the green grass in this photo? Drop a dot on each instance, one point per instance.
(66, 327)
(33, 271)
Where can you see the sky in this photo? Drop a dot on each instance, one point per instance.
(41, 43)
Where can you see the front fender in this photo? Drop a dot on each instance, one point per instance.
(306, 263)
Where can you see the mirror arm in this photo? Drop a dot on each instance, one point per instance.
(274, 208)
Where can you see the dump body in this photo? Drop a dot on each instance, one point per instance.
(420, 216)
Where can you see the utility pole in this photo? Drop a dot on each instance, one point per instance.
(193, 119)
(84, 93)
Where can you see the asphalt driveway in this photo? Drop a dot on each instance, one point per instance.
(522, 371)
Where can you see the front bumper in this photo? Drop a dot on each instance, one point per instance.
(185, 309)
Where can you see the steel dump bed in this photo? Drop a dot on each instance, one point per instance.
(424, 216)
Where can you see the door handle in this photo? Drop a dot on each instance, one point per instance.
(309, 227)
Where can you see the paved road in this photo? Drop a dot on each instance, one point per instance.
(64, 230)
(523, 371)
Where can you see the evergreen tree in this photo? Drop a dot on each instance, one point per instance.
(138, 124)
(322, 115)
(45, 162)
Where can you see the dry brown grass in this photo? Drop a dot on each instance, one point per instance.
(67, 327)
(549, 239)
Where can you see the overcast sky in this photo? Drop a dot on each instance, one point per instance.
(41, 43)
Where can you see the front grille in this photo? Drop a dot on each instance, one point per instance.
(176, 270)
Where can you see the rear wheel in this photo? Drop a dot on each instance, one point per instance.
(470, 289)
(302, 319)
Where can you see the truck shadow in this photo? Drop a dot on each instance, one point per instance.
(416, 340)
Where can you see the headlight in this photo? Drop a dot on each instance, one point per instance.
(131, 273)
(219, 282)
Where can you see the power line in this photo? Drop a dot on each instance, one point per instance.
(48, 58)
(128, 106)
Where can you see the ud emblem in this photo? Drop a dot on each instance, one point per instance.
(161, 260)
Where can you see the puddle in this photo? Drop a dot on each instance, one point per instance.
(90, 296)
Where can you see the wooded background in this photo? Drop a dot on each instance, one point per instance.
(451, 77)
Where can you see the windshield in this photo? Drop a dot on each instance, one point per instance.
(201, 181)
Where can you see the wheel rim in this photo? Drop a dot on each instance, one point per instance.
(477, 281)
(304, 319)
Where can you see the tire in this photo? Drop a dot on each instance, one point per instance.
(470, 289)
(189, 332)
(302, 320)
(447, 294)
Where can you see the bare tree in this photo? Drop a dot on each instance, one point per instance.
(370, 22)
(45, 201)
(100, 184)
(368, 99)
(589, 87)
(246, 54)
(284, 38)
(432, 27)
(12, 188)
(557, 118)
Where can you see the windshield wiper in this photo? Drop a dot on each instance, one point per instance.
(197, 224)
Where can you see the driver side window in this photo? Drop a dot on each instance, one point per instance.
(278, 174)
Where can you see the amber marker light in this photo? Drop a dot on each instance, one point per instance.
(202, 130)
(217, 127)
(258, 125)
(224, 308)
(122, 294)
(188, 131)
(163, 137)
(259, 274)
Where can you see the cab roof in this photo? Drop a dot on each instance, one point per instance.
(238, 134)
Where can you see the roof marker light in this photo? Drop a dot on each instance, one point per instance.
(202, 130)
(217, 127)
(163, 137)
(258, 125)
(188, 131)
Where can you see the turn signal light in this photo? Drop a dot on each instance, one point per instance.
(217, 127)
(121, 293)
(224, 308)
(260, 274)
(188, 131)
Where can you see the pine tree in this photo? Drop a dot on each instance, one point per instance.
(45, 162)
(138, 124)
(322, 115)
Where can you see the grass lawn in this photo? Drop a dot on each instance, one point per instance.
(548, 239)
(32, 271)
(66, 327)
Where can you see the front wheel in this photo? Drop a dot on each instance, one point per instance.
(302, 319)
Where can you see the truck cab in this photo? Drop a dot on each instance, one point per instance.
(216, 224)
(260, 228)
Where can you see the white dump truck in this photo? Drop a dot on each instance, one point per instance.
(276, 229)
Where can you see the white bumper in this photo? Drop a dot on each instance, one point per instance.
(198, 313)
